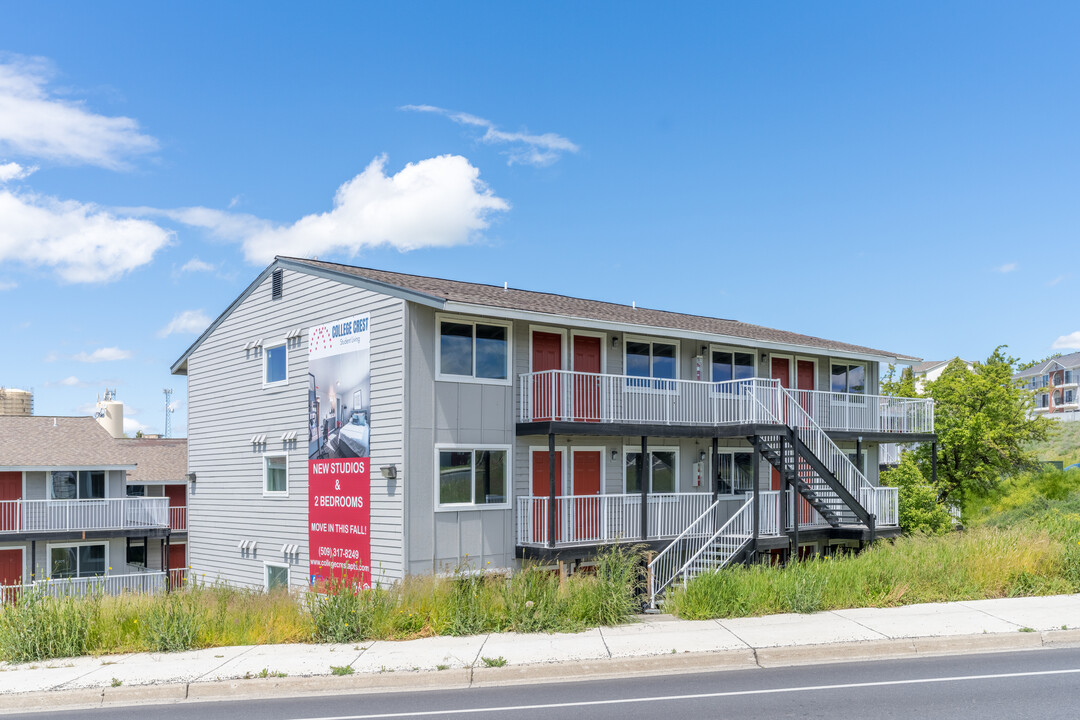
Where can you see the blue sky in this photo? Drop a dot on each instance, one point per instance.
(898, 175)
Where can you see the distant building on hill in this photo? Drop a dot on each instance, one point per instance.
(1054, 383)
(14, 401)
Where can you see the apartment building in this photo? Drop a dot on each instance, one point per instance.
(82, 510)
(351, 421)
(1054, 383)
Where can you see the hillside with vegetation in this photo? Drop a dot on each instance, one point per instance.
(1063, 444)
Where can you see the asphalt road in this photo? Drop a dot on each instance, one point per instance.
(1034, 684)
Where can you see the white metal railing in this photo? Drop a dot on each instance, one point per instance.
(582, 519)
(590, 397)
(769, 524)
(141, 582)
(178, 518)
(808, 517)
(866, 413)
(569, 396)
(884, 502)
(105, 514)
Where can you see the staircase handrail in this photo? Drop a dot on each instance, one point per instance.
(747, 507)
(665, 556)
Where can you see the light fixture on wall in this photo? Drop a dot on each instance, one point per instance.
(614, 455)
(701, 457)
(763, 357)
(389, 472)
(614, 341)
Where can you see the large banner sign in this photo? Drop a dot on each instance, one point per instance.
(339, 452)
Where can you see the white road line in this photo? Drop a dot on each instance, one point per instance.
(696, 696)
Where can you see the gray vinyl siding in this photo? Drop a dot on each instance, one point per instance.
(228, 405)
(449, 412)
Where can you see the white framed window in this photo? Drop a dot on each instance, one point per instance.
(472, 350)
(472, 476)
(848, 377)
(77, 560)
(736, 471)
(726, 363)
(276, 475)
(657, 360)
(276, 364)
(78, 485)
(275, 576)
(661, 469)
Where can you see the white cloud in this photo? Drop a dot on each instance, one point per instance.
(527, 148)
(1067, 342)
(235, 201)
(36, 123)
(188, 322)
(196, 265)
(8, 285)
(69, 381)
(14, 171)
(1056, 280)
(132, 426)
(438, 202)
(81, 242)
(107, 354)
(1006, 268)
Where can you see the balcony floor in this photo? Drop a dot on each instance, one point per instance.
(562, 427)
(65, 535)
(807, 533)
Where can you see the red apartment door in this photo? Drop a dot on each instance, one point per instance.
(586, 389)
(10, 491)
(587, 499)
(804, 380)
(546, 355)
(11, 569)
(177, 495)
(780, 369)
(541, 489)
(177, 564)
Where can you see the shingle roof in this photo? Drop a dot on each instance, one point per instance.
(571, 307)
(1069, 362)
(928, 365)
(157, 459)
(48, 441)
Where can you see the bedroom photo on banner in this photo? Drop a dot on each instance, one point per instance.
(339, 452)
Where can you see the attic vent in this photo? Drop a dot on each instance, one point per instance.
(275, 285)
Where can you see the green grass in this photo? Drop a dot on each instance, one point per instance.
(201, 616)
(342, 669)
(494, 662)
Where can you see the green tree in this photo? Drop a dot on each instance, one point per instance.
(902, 386)
(920, 510)
(984, 425)
(1033, 363)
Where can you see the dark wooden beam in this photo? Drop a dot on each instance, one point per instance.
(551, 490)
(644, 481)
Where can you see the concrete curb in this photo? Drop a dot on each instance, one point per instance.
(569, 671)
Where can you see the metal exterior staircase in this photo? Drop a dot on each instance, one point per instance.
(820, 472)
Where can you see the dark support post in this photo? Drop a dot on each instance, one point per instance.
(168, 580)
(858, 455)
(783, 489)
(715, 469)
(33, 559)
(795, 497)
(644, 487)
(551, 491)
(162, 543)
(933, 464)
(873, 528)
(757, 496)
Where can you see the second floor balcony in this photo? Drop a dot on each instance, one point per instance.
(45, 516)
(567, 396)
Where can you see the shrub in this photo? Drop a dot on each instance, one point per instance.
(920, 510)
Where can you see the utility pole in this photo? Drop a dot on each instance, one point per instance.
(168, 411)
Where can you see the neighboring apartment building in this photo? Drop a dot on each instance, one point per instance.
(82, 510)
(930, 370)
(1054, 383)
(342, 419)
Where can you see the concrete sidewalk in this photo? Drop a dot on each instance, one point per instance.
(651, 644)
